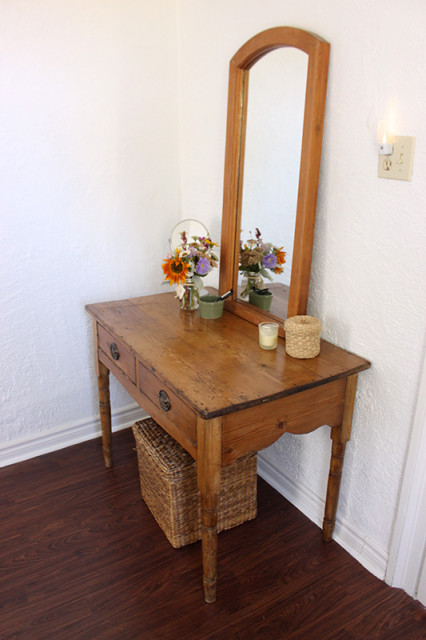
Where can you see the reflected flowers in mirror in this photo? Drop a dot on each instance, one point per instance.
(258, 260)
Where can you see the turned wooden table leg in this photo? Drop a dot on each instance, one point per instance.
(209, 547)
(333, 488)
(339, 435)
(105, 412)
(209, 452)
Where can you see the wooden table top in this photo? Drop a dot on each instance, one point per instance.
(216, 366)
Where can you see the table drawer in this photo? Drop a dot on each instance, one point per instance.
(117, 353)
(167, 404)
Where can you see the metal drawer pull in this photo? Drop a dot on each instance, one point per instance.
(164, 400)
(114, 351)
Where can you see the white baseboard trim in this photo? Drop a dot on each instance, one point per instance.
(355, 542)
(66, 435)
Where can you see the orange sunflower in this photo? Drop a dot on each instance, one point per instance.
(280, 256)
(175, 269)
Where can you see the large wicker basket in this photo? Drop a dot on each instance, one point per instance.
(302, 336)
(168, 481)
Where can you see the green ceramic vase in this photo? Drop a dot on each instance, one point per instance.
(211, 307)
(261, 301)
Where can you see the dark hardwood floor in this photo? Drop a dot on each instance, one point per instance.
(81, 558)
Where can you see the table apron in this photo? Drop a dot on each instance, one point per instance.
(250, 429)
(260, 426)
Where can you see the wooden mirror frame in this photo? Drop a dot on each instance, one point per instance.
(316, 86)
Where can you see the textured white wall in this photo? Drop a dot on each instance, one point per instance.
(368, 284)
(89, 159)
(89, 176)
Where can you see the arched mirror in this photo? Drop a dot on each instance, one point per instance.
(277, 89)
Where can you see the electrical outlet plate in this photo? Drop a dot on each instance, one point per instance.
(399, 164)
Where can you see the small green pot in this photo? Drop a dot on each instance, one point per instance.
(211, 307)
(261, 301)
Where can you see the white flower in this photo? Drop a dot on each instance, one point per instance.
(180, 290)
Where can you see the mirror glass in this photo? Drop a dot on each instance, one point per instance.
(191, 228)
(274, 131)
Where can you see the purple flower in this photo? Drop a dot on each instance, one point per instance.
(203, 266)
(270, 261)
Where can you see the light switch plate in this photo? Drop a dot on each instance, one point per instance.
(399, 164)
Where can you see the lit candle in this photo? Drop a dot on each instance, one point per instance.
(268, 335)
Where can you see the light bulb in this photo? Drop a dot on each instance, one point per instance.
(386, 136)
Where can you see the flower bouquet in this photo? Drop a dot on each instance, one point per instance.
(257, 260)
(187, 265)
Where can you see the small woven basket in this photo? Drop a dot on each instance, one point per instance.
(302, 336)
(168, 482)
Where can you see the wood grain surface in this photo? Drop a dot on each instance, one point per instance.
(216, 366)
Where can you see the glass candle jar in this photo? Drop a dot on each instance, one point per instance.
(268, 335)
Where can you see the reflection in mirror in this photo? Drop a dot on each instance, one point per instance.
(274, 130)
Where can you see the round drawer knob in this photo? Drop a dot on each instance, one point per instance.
(164, 400)
(114, 351)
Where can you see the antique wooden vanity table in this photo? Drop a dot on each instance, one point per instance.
(211, 387)
(207, 382)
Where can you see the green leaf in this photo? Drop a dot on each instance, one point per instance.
(266, 274)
